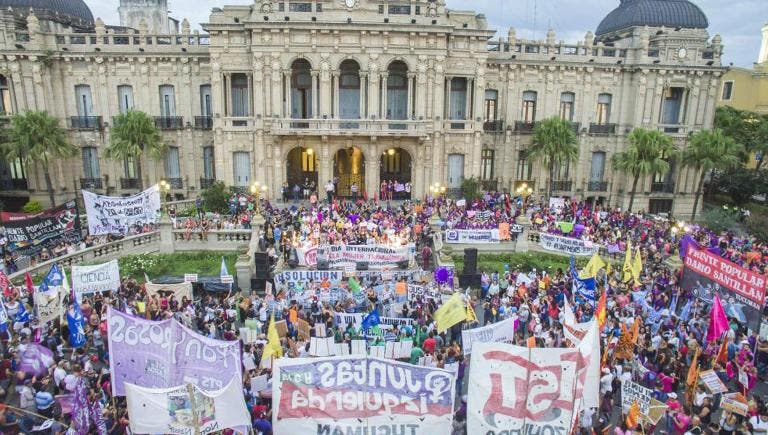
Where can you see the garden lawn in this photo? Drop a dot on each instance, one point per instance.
(523, 261)
(157, 265)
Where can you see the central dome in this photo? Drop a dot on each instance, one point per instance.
(653, 13)
(73, 13)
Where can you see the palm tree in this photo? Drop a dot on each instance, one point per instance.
(646, 155)
(133, 133)
(708, 150)
(36, 137)
(553, 143)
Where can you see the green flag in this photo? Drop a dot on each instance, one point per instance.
(354, 285)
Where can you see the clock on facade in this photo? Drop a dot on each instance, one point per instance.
(350, 3)
(682, 53)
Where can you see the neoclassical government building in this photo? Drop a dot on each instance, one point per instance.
(358, 91)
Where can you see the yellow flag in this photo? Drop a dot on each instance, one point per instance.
(637, 267)
(627, 263)
(471, 316)
(273, 347)
(451, 313)
(633, 416)
(590, 270)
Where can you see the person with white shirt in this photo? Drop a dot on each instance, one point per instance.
(760, 422)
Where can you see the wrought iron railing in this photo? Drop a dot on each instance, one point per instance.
(85, 122)
(597, 186)
(203, 122)
(524, 127)
(129, 183)
(561, 186)
(169, 122)
(662, 187)
(91, 183)
(602, 128)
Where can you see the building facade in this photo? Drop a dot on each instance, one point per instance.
(747, 88)
(362, 91)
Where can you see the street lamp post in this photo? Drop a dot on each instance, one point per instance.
(437, 190)
(524, 190)
(258, 190)
(165, 188)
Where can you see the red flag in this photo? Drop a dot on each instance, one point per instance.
(28, 282)
(5, 284)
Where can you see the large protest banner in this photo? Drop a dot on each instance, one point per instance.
(28, 234)
(501, 332)
(741, 291)
(102, 277)
(287, 280)
(374, 256)
(116, 215)
(567, 245)
(354, 394)
(531, 390)
(178, 410)
(472, 236)
(166, 353)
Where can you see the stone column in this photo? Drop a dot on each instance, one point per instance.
(228, 94)
(448, 86)
(287, 94)
(470, 95)
(373, 94)
(409, 112)
(421, 91)
(276, 91)
(315, 94)
(384, 99)
(336, 95)
(361, 102)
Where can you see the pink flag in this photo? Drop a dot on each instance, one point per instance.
(29, 283)
(718, 322)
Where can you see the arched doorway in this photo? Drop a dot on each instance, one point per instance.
(349, 169)
(300, 168)
(395, 169)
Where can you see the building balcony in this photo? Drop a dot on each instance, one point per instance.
(524, 127)
(490, 185)
(372, 127)
(602, 128)
(14, 184)
(597, 186)
(662, 187)
(561, 186)
(85, 122)
(203, 122)
(175, 183)
(129, 183)
(575, 126)
(169, 122)
(206, 182)
(91, 183)
(496, 126)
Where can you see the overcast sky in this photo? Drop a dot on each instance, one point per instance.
(738, 21)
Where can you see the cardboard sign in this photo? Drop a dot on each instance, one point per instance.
(190, 277)
(735, 403)
(712, 382)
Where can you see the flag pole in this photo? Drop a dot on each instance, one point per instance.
(195, 415)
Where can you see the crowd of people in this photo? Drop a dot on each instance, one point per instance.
(671, 336)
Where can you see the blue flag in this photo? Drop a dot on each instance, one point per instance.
(76, 323)
(583, 288)
(54, 278)
(23, 315)
(4, 318)
(686, 313)
(371, 320)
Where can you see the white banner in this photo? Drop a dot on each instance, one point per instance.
(501, 332)
(373, 256)
(98, 278)
(531, 390)
(567, 245)
(116, 215)
(288, 279)
(355, 394)
(178, 290)
(175, 410)
(48, 306)
(472, 236)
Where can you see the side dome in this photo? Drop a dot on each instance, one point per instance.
(73, 13)
(653, 13)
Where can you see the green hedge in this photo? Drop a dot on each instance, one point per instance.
(157, 265)
(521, 261)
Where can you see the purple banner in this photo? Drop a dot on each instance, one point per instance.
(167, 354)
(347, 394)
